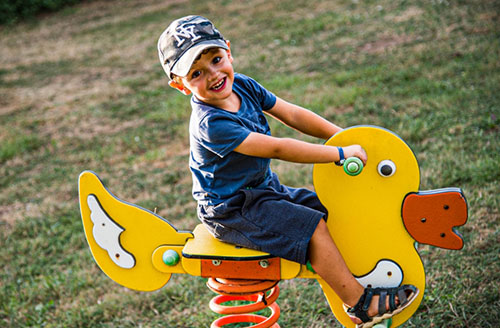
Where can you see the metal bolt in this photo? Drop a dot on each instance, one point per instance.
(264, 263)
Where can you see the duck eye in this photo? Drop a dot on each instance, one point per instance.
(386, 168)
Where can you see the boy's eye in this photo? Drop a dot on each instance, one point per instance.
(195, 74)
(216, 60)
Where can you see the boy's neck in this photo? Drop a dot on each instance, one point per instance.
(231, 104)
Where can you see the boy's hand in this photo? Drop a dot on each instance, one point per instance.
(355, 151)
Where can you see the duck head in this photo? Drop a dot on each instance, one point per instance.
(390, 182)
(376, 216)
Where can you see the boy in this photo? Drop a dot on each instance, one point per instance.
(240, 200)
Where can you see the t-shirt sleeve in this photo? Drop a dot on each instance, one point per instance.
(266, 98)
(221, 134)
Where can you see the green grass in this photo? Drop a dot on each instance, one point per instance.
(83, 89)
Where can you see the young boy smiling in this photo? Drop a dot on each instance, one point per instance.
(240, 200)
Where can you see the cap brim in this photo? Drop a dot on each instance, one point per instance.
(183, 65)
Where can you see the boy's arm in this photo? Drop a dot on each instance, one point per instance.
(303, 120)
(292, 150)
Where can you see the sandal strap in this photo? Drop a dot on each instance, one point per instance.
(402, 296)
(392, 299)
(363, 316)
(368, 298)
(381, 302)
(360, 310)
(383, 293)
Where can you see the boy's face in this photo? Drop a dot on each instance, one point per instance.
(211, 77)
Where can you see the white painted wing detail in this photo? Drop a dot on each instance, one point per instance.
(107, 235)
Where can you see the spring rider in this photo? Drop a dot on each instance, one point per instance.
(377, 215)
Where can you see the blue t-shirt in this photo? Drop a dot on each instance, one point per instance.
(218, 171)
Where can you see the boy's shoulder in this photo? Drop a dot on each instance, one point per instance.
(241, 77)
(244, 81)
(253, 89)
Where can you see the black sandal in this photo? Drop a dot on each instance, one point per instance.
(360, 310)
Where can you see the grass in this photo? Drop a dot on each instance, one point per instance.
(82, 89)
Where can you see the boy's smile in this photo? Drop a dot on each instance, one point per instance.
(220, 85)
(211, 78)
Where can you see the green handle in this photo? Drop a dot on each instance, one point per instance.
(353, 166)
(170, 257)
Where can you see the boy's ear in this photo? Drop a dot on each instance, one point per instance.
(180, 87)
(229, 51)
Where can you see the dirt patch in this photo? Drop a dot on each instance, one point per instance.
(10, 213)
(92, 127)
(60, 38)
(97, 62)
(385, 44)
(333, 111)
(408, 14)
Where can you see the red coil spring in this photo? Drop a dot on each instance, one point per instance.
(245, 290)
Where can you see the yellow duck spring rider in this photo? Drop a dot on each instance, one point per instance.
(377, 216)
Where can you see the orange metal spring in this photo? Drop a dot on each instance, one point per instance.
(245, 290)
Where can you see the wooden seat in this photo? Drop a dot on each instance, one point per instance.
(205, 246)
(209, 257)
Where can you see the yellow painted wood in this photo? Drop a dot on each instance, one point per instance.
(289, 269)
(205, 246)
(365, 211)
(143, 232)
(161, 266)
(306, 274)
(192, 266)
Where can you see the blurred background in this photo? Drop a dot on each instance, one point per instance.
(81, 88)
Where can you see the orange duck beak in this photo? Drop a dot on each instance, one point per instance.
(430, 217)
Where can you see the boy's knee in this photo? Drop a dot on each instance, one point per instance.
(321, 228)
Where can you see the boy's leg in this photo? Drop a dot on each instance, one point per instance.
(329, 264)
(327, 261)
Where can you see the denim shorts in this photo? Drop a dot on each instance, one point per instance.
(277, 219)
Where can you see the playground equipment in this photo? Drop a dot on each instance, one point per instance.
(377, 214)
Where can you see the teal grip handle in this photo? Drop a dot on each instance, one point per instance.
(170, 257)
(353, 166)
